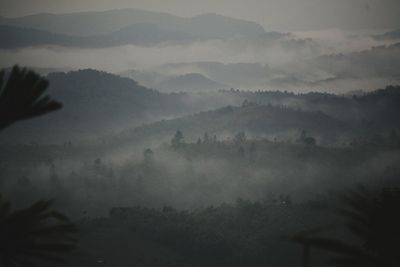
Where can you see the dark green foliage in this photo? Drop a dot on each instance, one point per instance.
(35, 234)
(235, 234)
(21, 97)
(374, 220)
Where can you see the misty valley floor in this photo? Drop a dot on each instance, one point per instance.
(209, 203)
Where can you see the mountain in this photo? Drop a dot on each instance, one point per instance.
(380, 61)
(43, 71)
(190, 82)
(214, 26)
(369, 112)
(124, 27)
(147, 78)
(137, 34)
(89, 23)
(98, 103)
(255, 120)
(208, 26)
(94, 104)
(368, 69)
(238, 75)
(391, 35)
(16, 37)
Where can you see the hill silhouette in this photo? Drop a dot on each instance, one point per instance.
(208, 26)
(255, 120)
(190, 82)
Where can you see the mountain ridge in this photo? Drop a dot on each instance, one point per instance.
(89, 23)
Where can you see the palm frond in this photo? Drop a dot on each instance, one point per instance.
(21, 97)
(35, 233)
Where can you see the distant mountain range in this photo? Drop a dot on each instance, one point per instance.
(122, 27)
(366, 69)
(247, 56)
(391, 35)
(187, 82)
(191, 82)
(241, 75)
(95, 101)
(137, 34)
(96, 23)
(98, 103)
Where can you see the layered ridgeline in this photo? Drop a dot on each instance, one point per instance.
(121, 27)
(252, 120)
(95, 103)
(331, 72)
(246, 55)
(98, 103)
(390, 35)
(330, 119)
(138, 34)
(190, 82)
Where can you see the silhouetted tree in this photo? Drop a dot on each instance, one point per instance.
(148, 156)
(240, 138)
(305, 139)
(206, 138)
(177, 140)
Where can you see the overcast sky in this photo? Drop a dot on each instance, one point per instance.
(284, 15)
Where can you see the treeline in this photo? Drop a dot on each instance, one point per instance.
(242, 233)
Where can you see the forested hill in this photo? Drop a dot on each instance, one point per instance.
(370, 111)
(95, 103)
(138, 34)
(252, 119)
(97, 23)
(98, 103)
(122, 27)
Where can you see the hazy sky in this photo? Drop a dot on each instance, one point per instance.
(272, 14)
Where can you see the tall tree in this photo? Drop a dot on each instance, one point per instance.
(178, 139)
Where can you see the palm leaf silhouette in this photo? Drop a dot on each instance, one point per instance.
(32, 234)
(21, 97)
(38, 233)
